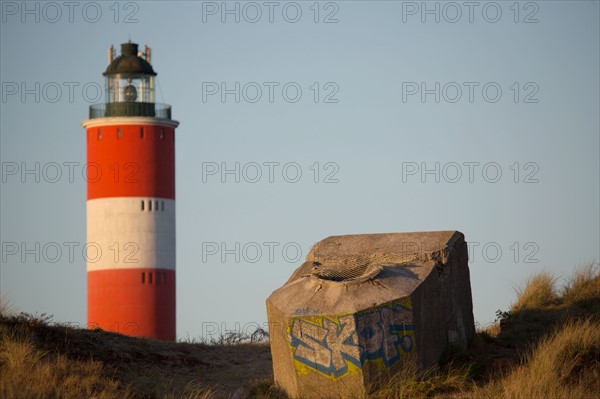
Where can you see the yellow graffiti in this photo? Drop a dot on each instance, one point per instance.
(335, 346)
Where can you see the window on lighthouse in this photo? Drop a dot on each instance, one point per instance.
(141, 132)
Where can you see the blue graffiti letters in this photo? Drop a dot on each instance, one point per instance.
(326, 347)
(329, 344)
(383, 332)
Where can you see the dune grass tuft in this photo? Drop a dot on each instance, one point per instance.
(538, 291)
(583, 286)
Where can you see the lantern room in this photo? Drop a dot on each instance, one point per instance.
(130, 85)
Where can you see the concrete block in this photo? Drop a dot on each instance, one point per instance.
(361, 306)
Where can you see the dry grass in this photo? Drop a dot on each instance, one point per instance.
(42, 360)
(410, 383)
(264, 389)
(538, 291)
(583, 286)
(565, 361)
(27, 372)
(566, 364)
(488, 331)
(192, 391)
(493, 330)
(5, 308)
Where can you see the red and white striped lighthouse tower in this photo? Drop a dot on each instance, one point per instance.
(131, 203)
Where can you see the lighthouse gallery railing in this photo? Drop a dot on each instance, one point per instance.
(154, 110)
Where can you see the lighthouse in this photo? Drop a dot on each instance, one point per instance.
(131, 202)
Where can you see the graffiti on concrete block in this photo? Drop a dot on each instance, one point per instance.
(386, 333)
(330, 344)
(326, 346)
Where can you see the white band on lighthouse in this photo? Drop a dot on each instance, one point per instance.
(130, 233)
(128, 120)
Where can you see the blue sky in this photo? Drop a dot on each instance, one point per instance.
(532, 117)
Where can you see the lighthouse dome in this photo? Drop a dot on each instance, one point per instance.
(129, 63)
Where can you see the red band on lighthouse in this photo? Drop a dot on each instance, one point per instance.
(137, 302)
(131, 204)
(130, 160)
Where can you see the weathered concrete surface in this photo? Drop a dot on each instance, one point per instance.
(363, 305)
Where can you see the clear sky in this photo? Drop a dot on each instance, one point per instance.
(511, 141)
